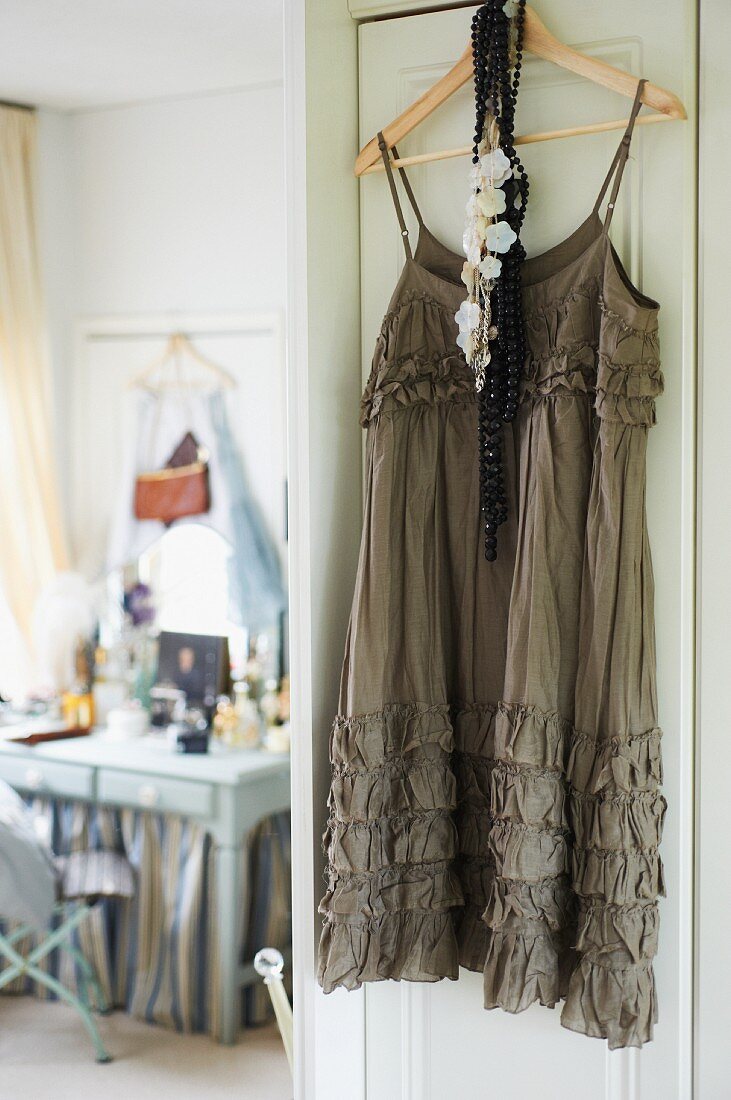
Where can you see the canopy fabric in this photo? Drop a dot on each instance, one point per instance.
(27, 874)
(257, 592)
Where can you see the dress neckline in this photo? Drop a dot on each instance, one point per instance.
(451, 263)
(444, 267)
(536, 269)
(560, 257)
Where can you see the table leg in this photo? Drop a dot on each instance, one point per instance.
(229, 872)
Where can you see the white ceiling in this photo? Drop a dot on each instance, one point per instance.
(75, 54)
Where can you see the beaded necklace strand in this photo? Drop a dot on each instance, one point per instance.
(491, 318)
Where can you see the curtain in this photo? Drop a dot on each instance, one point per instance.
(32, 547)
(154, 955)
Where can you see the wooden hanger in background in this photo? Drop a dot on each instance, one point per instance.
(178, 345)
(538, 40)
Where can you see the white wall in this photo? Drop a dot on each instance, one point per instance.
(180, 204)
(174, 206)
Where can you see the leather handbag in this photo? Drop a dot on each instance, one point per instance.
(180, 489)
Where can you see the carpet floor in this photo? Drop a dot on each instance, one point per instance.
(45, 1054)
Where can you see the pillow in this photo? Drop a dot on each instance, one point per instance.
(27, 876)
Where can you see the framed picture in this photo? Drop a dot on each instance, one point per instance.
(197, 664)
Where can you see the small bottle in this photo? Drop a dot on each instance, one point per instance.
(248, 733)
(225, 721)
(284, 700)
(269, 703)
(78, 702)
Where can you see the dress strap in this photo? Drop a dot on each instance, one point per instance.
(394, 193)
(616, 168)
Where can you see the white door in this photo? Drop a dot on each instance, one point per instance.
(434, 1042)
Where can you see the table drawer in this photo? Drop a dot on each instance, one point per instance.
(47, 777)
(151, 792)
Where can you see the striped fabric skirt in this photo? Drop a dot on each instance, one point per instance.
(155, 956)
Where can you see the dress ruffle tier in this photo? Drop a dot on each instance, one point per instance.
(392, 884)
(550, 835)
(577, 827)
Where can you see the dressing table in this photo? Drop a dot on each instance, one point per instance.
(226, 791)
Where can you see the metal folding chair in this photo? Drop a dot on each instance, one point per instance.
(29, 878)
(26, 966)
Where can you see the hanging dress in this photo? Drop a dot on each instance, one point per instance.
(496, 759)
(257, 594)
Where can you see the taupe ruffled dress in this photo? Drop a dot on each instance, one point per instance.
(496, 761)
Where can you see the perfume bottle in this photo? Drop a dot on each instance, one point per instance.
(78, 702)
(248, 732)
(269, 703)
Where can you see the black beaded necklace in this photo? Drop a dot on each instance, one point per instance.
(497, 348)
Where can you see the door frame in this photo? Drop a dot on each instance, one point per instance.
(713, 751)
(325, 491)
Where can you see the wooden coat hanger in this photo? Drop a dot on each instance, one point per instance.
(539, 41)
(178, 345)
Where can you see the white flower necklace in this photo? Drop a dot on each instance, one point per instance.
(485, 238)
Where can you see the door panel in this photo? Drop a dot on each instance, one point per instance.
(428, 1042)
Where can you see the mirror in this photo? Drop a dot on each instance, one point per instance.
(144, 671)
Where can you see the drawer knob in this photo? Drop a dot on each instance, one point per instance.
(33, 779)
(148, 795)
